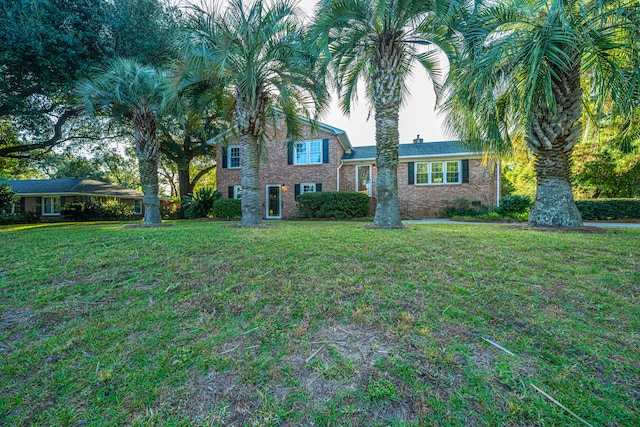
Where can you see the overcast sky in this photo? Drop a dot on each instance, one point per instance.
(417, 115)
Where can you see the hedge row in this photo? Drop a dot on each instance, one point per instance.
(609, 208)
(339, 205)
(226, 209)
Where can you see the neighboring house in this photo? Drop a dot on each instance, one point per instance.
(45, 197)
(431, 175)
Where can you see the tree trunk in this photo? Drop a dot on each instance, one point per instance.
(144, 134)
(552, 137)
(184, 180)
(387, 97)
(250, 124)
(250, 181)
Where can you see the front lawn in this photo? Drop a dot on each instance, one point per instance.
(318, 323)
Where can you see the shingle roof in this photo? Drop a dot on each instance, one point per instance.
(426, 149)
(70, 186)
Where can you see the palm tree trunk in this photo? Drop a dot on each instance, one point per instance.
(387, 97)
(387, 138)
(144, 134)
(250, 181)
(552, 138)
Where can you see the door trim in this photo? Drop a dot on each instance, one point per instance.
(279, 187)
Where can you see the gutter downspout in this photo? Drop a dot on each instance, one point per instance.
(338, 176)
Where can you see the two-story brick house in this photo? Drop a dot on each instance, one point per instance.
(431, 175)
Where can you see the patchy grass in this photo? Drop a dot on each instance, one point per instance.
(317, 323)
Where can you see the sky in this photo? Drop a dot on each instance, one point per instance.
(417, 115)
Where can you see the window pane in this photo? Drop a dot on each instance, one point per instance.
(56, 205)
(234, 157)
(315, 158)
(422, 173)
(47, 205)
(315, 152)
(452, 172)
(308, 188)
(301, 153)
(437, 175)
(316, 147)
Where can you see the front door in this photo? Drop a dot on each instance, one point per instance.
(274, 201)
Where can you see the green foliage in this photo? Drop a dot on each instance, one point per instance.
(603, 209)
(19, 218)
(606, 175)
(339, 205)
(200, 205)
(465, 207)
(514, 204)
(7, 196)
(91, 209)
(227, 209)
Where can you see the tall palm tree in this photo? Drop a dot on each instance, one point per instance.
(524, 72)
(378, 42)
(126, 88)
(262, 54)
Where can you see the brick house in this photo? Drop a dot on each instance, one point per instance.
(431, 175)
(45, 197)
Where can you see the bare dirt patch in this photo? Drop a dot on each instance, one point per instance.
(587, 229)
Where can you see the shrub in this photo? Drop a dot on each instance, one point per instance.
(94, 210)
(7, 197)
(514, 204)
(340, 205)
(201, 203)
(609, 208)
(465, 207)
(19, 218)
(227, 209)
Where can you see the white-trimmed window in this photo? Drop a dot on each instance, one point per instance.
(51, 205)
(237, 192)
(308, 152)
(233, 156)
(137, 207)
(307, 187)
(438, 173)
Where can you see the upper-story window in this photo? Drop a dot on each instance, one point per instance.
(438, 173)
(233, 154)
(308, 152)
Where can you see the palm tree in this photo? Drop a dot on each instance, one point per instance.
(524, 72)
(126, 88)
(262, 55)
(378, 42)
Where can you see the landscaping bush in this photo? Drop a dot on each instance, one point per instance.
(464, 207)
(7, 197)
(200, 205)
(94, 210)
(514, 204)
(609, 208)
(19, 218)
(339, 205)
(226, 209)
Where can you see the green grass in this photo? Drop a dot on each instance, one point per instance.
(321, 323)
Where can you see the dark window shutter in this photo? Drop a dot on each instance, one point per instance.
(23, 202)
(297, 190)
(39, 205)
(61, 201)
(318, 187)
(231, 192)
(224, 157)
(465, 171)
(325, 151)
(411, 175)
(290, 153)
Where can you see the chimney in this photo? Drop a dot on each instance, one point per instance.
(418, 140)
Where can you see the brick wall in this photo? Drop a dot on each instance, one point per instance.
(277, 171)
(424, 201)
